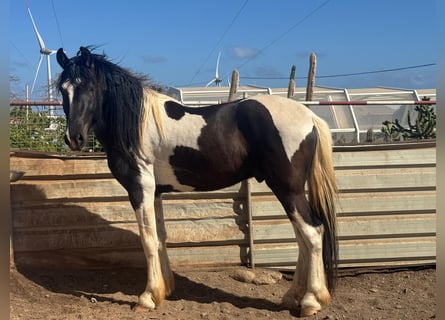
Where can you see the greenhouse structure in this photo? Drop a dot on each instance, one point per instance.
(350, 113)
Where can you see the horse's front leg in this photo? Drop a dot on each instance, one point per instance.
(153, 236)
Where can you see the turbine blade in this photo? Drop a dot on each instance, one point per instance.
(37, 72)
(208, 84)
(39, 37)
(217, 66)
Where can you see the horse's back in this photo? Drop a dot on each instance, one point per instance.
(285, 111)
(212, 147)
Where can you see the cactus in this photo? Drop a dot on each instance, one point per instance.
(370, 137)
(291, 86)
(424, 127)
(391, 131)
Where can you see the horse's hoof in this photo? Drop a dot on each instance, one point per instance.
(308, 311)
(145, 303)
(140, 308)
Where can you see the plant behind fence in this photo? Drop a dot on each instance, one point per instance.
(32, 128)
(421, 125)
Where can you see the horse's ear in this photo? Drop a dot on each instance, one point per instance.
(62, 59)
(86, 56)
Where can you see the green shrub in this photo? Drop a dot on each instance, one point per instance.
(423, 127)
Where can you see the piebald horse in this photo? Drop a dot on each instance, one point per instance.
(156, 145)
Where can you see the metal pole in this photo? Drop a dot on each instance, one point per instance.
(51, 109)
(250, 221)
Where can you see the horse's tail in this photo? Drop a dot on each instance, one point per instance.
(322, 189)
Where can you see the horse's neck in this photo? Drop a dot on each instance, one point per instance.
(152, 126)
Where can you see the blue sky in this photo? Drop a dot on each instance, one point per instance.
(177, 42)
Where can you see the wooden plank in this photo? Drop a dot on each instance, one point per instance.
(69, 237)
(65, 189)
(386, 202)
(218, 256)
(205, 231)
(365, 252)
(353, 227)
(105, 212)
(71, 213)
(357, 204)
(53, 167)
(374, 179)
(387, 146)
(180, 258)
(386, 178)
(384, 263)
(203, 208)
(82, 258)
(237, 190)
(115, 235)
(387, 226)
(403, 157)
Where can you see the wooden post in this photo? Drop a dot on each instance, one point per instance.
(14, 175)
(311, 77)
(291, 86)
(246, 183)
(233, 84)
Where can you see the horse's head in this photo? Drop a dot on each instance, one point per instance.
(82, 94)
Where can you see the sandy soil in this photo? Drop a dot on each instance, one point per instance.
(110, 294)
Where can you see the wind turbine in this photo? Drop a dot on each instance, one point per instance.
(217, 80)
(44, 51)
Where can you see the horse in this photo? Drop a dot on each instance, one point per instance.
(154, 145)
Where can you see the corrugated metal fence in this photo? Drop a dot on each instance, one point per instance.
(70, 211)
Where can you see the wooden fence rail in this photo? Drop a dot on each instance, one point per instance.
(70, 211)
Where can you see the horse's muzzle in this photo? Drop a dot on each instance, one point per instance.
(75, 143)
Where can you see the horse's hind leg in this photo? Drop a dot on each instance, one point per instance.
(294, 295)
(308, 289)
(163, 256)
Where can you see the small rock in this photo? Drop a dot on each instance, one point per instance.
(267, 277)
(243, 275)
(374, 290)
(93, 300)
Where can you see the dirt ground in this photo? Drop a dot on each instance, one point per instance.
(110, 294)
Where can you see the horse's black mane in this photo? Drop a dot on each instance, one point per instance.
(121, 112)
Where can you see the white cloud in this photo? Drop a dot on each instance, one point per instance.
(244, 52)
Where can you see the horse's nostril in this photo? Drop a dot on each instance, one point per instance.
(67, 140)
(79, 140)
